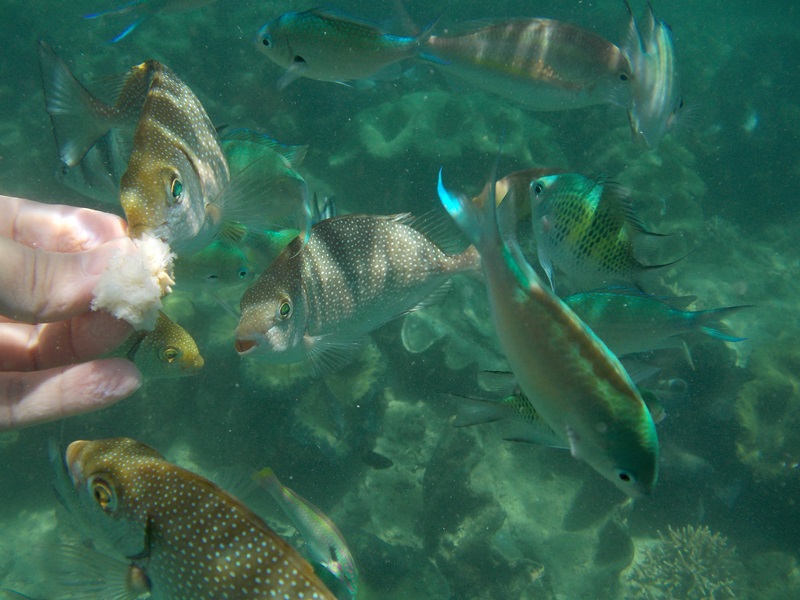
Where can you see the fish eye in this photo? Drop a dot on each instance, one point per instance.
(169, 354)
(625, 476)
(285, 309)
(243, 273)
(176, 189)
(102, 493)
(537, 187)
(624, 76)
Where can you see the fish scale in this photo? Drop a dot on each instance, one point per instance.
(194, 540)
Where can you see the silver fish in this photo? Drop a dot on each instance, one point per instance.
(356, 273)
(540, 64)
(575, 383)
(330, 46)
(656, 103)
(188, 538)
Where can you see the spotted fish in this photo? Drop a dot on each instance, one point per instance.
(186, 537)
(575, 383)
(356, 273)
(540, 64)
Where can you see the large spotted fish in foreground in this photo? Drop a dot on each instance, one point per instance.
(184, 537)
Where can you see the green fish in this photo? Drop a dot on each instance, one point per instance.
(323, 539)
(586, 228)
(356, 273)
(629, 322)
(166, 351)
(187, 537)
(329, 46)
(576, 384)
(540, 64)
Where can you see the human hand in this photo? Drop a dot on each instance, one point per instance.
(51, 257)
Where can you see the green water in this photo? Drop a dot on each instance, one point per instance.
(461, 513)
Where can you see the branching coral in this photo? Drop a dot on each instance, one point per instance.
(688, 563)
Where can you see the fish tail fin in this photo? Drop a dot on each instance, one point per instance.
(708, 322)
(74, 111)
(466, 214)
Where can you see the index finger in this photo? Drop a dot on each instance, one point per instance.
(57, 227)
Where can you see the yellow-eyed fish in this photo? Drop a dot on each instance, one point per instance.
(356, 273)
(656, 103)
(166, 351)
(188, 538)
(142, 10)
(79, 118)
(540, 64)
(325, 543)
(575, 383)
(586, 228)
(329, 46)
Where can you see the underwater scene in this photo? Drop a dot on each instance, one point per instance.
(426, 300)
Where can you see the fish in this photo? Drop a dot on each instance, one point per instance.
(80, 119)
(178, 185)
(144, 9)
(517, 183)
(166, 351)
(540, 64)
(325, 543)
(586, 227)
(317, 302)
(629, 321)
(576, 384)
(656, 103)
(185, 536)
(243, 146)
(328, 45)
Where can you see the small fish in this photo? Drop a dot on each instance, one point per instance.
(187, 537)
(144, 9)
(356, 273)
(518, 184)
(586, 228)
(166, 351)
(575, 383)
(325, 542)
(329, 46)
(629, 322)
(540, 64)
(656, 103)
(79, 119)
(244, 146)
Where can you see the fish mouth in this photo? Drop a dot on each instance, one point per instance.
(245, 346)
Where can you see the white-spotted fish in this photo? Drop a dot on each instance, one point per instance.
(586, 227)
(79, 118)
(189, 539)
(575, 383)
(329, 46)
(142, 10)
(356, 273)
(166, 351)
(656, 103)
(540, 64)
(629, 321)
(325, 543)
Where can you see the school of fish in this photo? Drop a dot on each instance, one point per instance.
(234, 207)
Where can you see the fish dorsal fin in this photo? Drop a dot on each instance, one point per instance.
(260, 199)
(293, 154)
(618, 197)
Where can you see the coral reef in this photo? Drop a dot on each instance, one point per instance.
(768, 410)
(689, 562)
